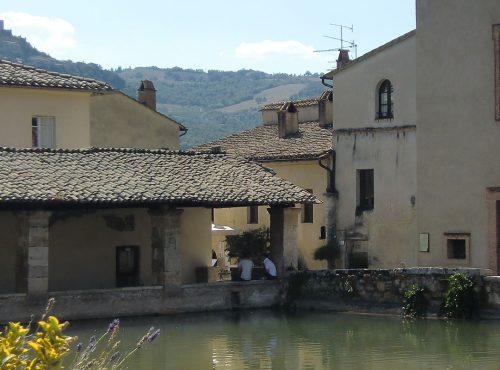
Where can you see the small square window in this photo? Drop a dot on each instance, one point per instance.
(253, 215)
(457, 247)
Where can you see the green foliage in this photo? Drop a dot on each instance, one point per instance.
(46, 347)
(249, 244)
(415, 303)
(327, 252)
(460, 299)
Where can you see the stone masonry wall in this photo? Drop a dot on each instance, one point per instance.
(382, 290)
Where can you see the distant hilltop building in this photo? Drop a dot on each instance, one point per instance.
(2, 27)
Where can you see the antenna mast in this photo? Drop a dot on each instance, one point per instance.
(350, 44)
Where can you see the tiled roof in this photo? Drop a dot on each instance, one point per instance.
(298, 103)
(13, 74)
(138, 177)
(262, 143)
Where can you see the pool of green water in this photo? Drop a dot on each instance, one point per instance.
(304, 340)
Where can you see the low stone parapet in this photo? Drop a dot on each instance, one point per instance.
(120, 302)
(383, 289)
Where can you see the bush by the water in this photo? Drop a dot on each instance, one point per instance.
(460, 299)
(415, 303)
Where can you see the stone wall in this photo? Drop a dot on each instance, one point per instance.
(382, 290)
(109, 303)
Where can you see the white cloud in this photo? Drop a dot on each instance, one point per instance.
(54, 36)
(269, 48)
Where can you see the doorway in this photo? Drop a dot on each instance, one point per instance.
(127, 266)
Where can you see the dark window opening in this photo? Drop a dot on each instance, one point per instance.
(457, 249)
(366, 198)
(307, 211)
(322, 232)
(253, 215)
(127, 266)
(385, 105)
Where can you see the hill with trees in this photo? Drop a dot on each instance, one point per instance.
(211, 104)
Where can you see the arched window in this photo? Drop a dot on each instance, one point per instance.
(385, 106)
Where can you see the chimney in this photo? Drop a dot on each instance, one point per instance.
(325, 107)
(288, 120)
(147, 94)
(343, 58)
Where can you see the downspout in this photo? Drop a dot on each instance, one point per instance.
(184, 131)
(325, 84)
(331, 171)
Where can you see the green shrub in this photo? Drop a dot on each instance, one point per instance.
(460, 299)
(249, 244)
(415, 303)
(327, 252)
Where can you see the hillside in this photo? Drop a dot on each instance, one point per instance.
(211, 104)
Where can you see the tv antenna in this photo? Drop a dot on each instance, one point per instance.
(350, 44)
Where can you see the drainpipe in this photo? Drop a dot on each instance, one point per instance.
(331, 200)
(325, 84)
(184, 132)
(331, 171)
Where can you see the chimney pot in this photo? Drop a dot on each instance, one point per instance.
(288, 120)
(343, 58)
(147, 94)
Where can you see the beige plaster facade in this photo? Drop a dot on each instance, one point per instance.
(117, 120)
(84, 120)
(384, 235)
(305, 174)
(458, 135)
(71, 110)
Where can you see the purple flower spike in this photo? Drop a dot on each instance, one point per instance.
(113, 325)
(79, 347)
(153, 336)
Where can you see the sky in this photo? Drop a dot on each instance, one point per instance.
(273, 36)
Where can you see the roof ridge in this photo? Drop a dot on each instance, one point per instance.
(90, 150)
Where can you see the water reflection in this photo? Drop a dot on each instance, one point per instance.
(307, 340)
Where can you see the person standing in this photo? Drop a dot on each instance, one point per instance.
(270, 267)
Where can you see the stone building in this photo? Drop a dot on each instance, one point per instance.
(415, 134)
(121, 231)
(296, 150)
(374, 138)
(49, 109)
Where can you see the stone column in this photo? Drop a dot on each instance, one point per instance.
(32, 270)
(166, 246)
(284, 237)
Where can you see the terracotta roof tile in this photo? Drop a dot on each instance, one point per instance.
(298, 103)
(13, 74)
(138, 176)
(262, 143)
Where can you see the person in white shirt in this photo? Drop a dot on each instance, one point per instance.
(245, 267)
(270, 267)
